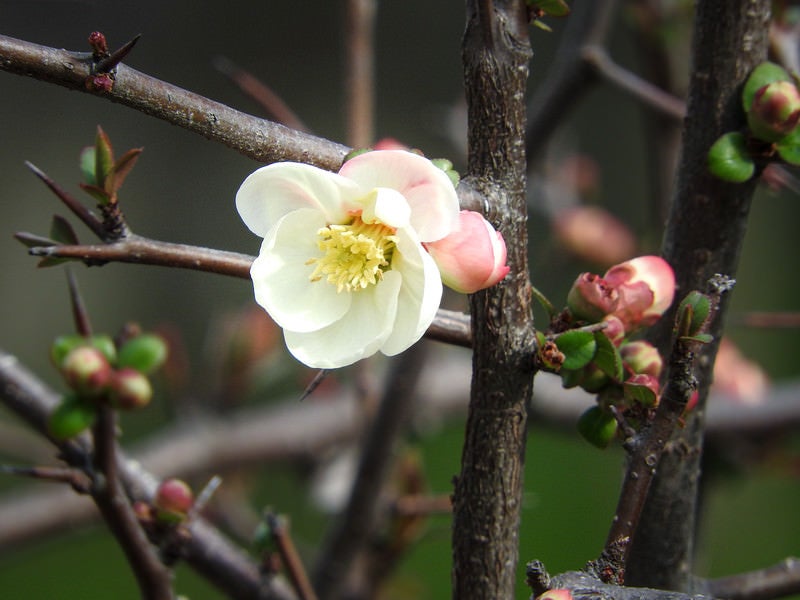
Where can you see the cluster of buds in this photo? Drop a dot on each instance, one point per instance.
(592, 348)
(771, 102)
(99, 371)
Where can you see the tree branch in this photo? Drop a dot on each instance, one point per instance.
(256, 138)
(488, 492)
(206, 550)
(704, 235)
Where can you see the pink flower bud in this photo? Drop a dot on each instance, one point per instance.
(87, 371)
(594, 234)
(775, 111)
(472, 257)
(643, 389)
(615, 330)
(591, 298)
(557, 594)
(174, 498)
(130, 389)
(642, 357)
(646, 287)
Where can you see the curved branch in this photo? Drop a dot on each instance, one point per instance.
(256, 138)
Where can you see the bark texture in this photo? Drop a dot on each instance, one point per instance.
(704, 234)
(488, 491)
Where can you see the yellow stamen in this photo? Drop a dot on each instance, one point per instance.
(355, 255)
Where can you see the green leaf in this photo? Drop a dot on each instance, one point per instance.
(607, 357)
(103, 157)
(99, 194)
(63, 345)
(542, 26)
(553, 8)
(639, 393)
(121, 169)
(579, 348)
(762, 75)
(87, 164)
(789, 147)
(106, 345)
(145, 353)
(597, 426)
(703, 338)
(729, 159)
(71, 417)
(61, 231)
(693, 312)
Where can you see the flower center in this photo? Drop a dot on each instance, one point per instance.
(355, 255)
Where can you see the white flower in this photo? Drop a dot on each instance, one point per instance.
(342, 268)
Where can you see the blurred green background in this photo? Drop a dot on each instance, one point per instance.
(182, 190)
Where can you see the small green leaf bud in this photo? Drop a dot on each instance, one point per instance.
(597, 426)
(146, 353)
(693, 312)
(71, 417)
(730, 160)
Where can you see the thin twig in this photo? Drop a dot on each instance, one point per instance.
(259, 139)
(449, 326)
(80, 314)
(291, 559)
(356, 524)
(74, 477)
(777, 581)
(154, 579)
(360, 75)
(80, 211)
(271, 102)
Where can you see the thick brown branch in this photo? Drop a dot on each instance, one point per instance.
(259, 139)
(706, 226)
(488, 492)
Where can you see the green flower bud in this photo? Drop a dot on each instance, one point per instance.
(597, 426)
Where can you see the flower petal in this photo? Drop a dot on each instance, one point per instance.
(388, 206)
(281, 275)
(428, 190)
(358, 334)
(419, 296)
(275, 190)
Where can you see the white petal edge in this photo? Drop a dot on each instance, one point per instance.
(359, 334)
(271, 192)
(419, 297)
(428, 190)
(281, 276)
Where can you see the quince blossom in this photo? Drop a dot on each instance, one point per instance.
(342, 268)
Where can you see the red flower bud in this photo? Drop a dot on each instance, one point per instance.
(775, 111)
(642, 357)
(591, 298)
(130, 389)
(174, 499)
(87, 371)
